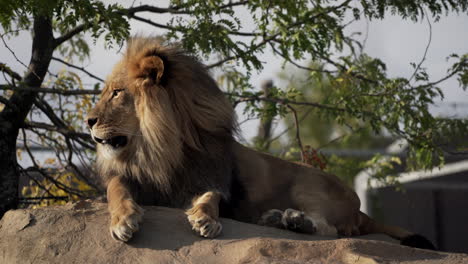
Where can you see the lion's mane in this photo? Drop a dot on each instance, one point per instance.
(186, 127)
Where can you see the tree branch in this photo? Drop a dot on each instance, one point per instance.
(44, 174)
(60, 149)
(345, 69)
(245, 34)
(425, 51)
(60, 126)
(128, 12)
(49, 90)
(52, 197)
(285, 102)
(38, 200)
(253, 48)
(70, 34)
(78, 68)
(61, 130)
(49, 111)
(296, 64)
(4, 68)
(148, 21)
(429, 84)
(298, 135)
(233, 4)
(153, 9)
(274, 36)
(37, 69)
(13, 53)
(59, 185)
(38, 183)
(25, 143)
(7, 103)
(290, 127)
(175, 9)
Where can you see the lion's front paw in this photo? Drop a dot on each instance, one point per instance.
(124, 222)
(205, 225)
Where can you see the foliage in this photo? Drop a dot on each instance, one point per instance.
(45, 192)
(358, 90)
(321, 129)
(97, 17)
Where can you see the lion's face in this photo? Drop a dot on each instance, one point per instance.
(157, 101)
(113, 121)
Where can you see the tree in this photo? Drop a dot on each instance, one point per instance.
(291, 29)
(319, 130)
(45, 19)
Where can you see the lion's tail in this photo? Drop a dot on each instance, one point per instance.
(407, 238)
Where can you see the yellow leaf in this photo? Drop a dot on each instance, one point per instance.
(18, 154)
(350, 70)
(50, 161)
(397, 160)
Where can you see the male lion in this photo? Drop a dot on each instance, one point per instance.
(165, 137)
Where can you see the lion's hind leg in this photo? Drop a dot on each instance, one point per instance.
(204, 215)
(290, 219)
(322, 225)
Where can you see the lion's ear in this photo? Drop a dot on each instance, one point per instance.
(150, 68)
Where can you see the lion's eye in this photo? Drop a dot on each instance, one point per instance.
(116, 92)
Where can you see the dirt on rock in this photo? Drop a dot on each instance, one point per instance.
(78, 233)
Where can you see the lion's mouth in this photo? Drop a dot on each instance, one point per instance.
(116, 142)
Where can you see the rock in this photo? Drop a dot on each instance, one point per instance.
(78, 233)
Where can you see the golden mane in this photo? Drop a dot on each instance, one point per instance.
(174, 113)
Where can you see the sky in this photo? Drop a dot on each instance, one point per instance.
(395, 41)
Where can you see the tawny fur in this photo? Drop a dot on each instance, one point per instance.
(181, 153)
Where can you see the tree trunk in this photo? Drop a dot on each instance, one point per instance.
(14, 114)
(262, 140)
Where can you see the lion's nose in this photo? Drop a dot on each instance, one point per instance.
(91, 122)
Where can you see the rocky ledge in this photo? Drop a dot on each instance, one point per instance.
(78, 233)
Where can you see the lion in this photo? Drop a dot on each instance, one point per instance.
(165, 136)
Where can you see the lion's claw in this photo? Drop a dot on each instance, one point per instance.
(123, 226)
(205, 226)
